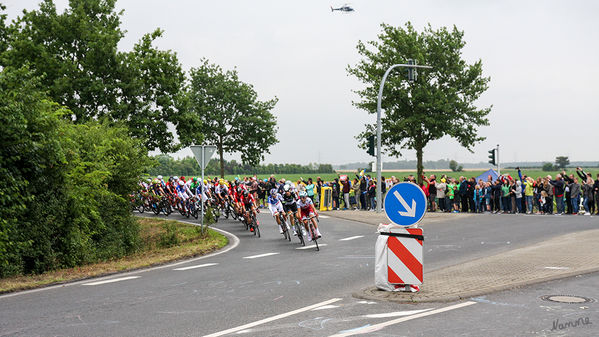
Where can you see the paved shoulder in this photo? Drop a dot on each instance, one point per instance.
(559, 257)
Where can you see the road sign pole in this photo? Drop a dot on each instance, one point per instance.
(379, 158)
(202, 191)
(498, 166)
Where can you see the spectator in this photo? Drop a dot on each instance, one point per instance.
(587, 202)
(432, 192)
(357, 192)
(451, 189)
(335, 188)
(519, 196)
(559, 186)
(363, 191)
(372, 194)
(441, 194)
(596, 190)
(345, 190)
(528, 194)
(574, 195)
(550, 191)
(462, 192)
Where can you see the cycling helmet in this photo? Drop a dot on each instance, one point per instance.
(303, 194)
(155, 181)
(159, 177)
(221, 182)
(149, 180)
(205, 181)
(176, 178)
(182, 178)
(181, 183)
(273, 191)
(286, 188)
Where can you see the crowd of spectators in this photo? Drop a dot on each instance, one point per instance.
(566, 194)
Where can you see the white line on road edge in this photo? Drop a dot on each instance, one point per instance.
(198, 266)
(273, 318)
(261, 255)
(313, 246)
(110, 281)
(376, 327)
(397, 313)
(323, 216)
(230, 236)
(352, 238)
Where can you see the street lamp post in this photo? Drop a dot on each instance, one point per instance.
(379, 131)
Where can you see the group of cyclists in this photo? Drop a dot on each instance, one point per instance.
(286, 202)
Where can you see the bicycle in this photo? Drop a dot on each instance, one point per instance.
(284, 227)
(297, 225)
(312, 232)
(254, 224)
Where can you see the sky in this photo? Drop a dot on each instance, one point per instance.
(542, 57)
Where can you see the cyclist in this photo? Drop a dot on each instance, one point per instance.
(248, 207)
(308, 213)
(275, 204)
(290, 205)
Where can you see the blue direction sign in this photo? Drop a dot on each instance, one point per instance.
(405, 204)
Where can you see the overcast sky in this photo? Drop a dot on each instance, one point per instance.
(542, 57)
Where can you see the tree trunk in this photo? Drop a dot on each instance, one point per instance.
(222, 161)
(419, 166)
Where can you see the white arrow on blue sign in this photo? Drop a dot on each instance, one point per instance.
(405, 204)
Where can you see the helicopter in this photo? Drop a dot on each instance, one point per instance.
(344, 8)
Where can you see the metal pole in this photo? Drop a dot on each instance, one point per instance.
(379, 163)
(498, 166)
(202, 193)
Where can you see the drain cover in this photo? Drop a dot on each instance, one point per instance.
(567, 299)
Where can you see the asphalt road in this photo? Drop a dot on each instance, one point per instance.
(267, 287)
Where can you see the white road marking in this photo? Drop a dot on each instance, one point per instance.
(312, 246)
(244, 331)
(557, 268)
(377, 327)
(198, 266)
(273, 318)
(261, 255)
(397, 313)
(352, 238)
(324, 216)
(112, 280)
(366, 302)
(330, 306)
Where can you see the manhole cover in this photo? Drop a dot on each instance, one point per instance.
(567, 299)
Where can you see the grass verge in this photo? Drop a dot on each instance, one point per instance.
(162, 241)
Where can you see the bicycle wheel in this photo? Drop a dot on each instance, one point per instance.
(298, 229)
(314, 236)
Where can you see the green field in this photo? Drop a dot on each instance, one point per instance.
(534, 173)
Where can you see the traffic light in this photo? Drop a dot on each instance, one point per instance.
(412, 73)
(492, 157)
(370, 145)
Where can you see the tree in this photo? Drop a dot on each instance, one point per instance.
(439, 103)
(561, 162)
(230, 114)
(548, 167)
(453, 165)
(75, 55)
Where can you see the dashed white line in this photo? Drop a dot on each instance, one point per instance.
(312, 246)
(324, 307)
(261, 255)
(377, 327)
(111, 280)
(323, 216)
(198, 266)
(273, 318)
(352, 238)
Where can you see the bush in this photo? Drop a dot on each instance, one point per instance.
(548, 167)
(63, 201)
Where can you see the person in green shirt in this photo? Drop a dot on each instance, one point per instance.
(451, 188)
(505, 197)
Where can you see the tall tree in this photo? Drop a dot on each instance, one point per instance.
(439, 103)
(230, 113)
(562, 162)
(76, 56)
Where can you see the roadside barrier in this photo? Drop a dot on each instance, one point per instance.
(326, 199)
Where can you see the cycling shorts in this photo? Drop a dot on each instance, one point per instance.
(290, 208)
(278, 207)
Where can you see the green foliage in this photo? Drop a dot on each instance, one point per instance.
(230, 114)
(63, 200)
(75, 54)
(170, 237)
(561, 162)
(187, 166)
(439, 103)
(453, 165)
(549, 167)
